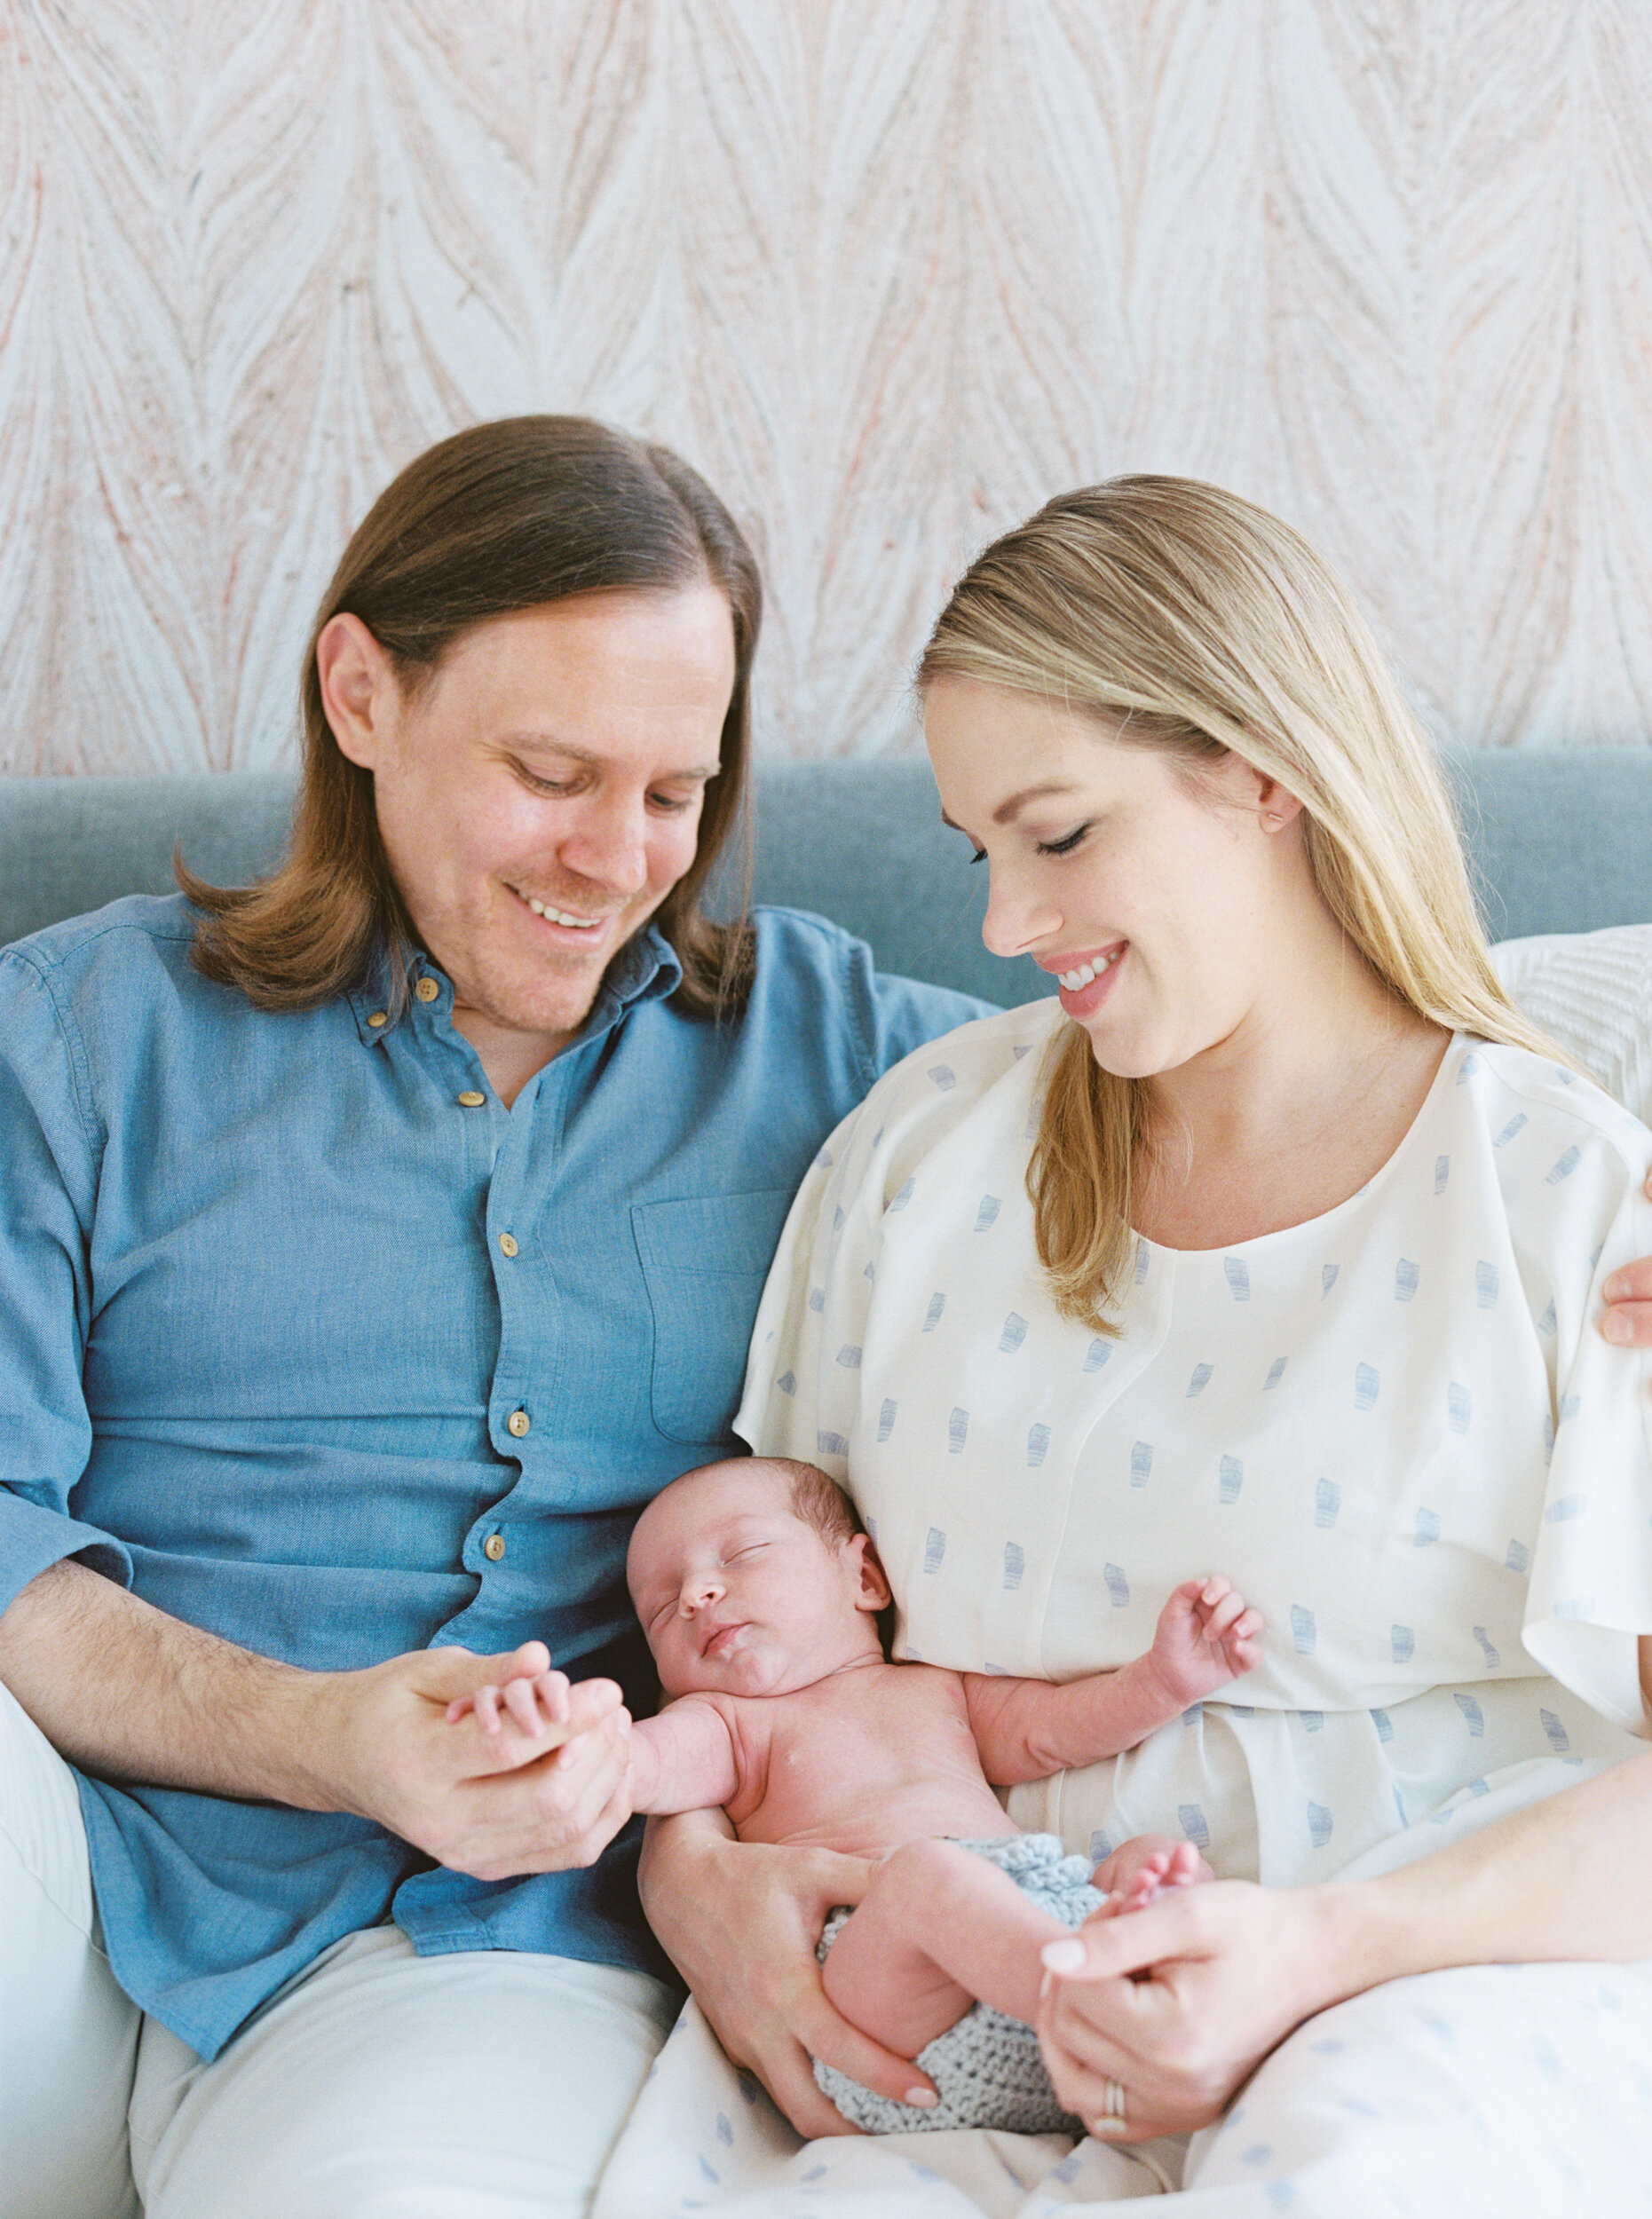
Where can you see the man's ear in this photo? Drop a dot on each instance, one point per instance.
(359, 688)
(874, 1588)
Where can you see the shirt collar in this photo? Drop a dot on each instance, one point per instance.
(646, 970)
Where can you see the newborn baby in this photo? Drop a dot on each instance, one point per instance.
(759, 1594)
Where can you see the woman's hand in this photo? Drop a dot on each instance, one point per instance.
(740, 1921)
(1180, 2002)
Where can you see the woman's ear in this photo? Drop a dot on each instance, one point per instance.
(1233, 783)
(1276, 806)
(874, 1588)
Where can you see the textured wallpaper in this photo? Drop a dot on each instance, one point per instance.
(889, 270)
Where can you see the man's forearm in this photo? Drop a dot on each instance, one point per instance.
(127, 1693)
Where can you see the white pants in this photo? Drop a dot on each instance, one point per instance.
(381, 2085)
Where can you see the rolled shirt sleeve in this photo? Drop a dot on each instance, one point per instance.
(46, 1204)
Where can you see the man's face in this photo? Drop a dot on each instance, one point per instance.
(541, 796)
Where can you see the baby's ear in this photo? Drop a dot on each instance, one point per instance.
(874, 1588)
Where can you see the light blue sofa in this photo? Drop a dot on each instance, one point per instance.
(1561, 842)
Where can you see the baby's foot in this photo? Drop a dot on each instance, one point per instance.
(1181, 1867)
(1145, 1867)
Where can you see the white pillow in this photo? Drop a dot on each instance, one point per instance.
(1592, 993)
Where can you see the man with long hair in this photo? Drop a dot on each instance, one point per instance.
(376, 1240)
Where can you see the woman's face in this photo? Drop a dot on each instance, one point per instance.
(1166, 898)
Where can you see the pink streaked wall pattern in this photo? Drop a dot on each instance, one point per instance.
(889, 270)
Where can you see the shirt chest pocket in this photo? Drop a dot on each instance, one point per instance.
(704, 1261)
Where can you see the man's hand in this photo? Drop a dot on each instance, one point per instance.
(415, 1744)
(740, 1921)
(1206, 1637)
(129, 1694)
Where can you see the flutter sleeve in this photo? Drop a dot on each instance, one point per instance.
(804, 1381)
(1589, 1594)
(798, 1402)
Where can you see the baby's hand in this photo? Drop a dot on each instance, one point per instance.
(543, 1707)
(1206, 1637)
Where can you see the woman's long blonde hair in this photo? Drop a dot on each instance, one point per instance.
(1182, 616)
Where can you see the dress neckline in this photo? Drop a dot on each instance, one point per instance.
(1457, 1048)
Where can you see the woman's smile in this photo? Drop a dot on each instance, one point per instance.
(1085, 981)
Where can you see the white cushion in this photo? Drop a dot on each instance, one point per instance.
(1592, 993)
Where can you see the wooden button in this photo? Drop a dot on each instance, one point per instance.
(518, 1422)
(493, 1547)
(507, 1246)
(427, 989)
(470, 1099)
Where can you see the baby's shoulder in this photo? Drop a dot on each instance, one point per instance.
(929, 1691)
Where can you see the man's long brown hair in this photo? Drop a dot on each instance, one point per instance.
(507, 516)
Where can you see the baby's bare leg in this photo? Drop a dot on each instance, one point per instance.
(938, 1927)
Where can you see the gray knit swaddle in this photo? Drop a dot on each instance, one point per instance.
(986, 2069)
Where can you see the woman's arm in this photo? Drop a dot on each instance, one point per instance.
(740, 1921)
(1180, 2002)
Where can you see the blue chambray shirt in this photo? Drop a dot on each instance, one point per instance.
(315, 1353)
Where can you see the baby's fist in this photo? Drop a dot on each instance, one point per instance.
(1207, 1635)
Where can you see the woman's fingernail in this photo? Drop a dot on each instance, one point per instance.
(1615, 1327)
(922, 2099)
(1070, 1956)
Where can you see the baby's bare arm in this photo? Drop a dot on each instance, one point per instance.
(1027, 1729)
(684, 1760)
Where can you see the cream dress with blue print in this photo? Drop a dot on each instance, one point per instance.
(1398, 1430)
(1394, 1428)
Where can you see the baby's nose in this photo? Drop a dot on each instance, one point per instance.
(697, 1592)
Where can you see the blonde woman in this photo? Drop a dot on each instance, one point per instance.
(1278, 1240)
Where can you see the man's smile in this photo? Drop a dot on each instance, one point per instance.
(553, 916)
